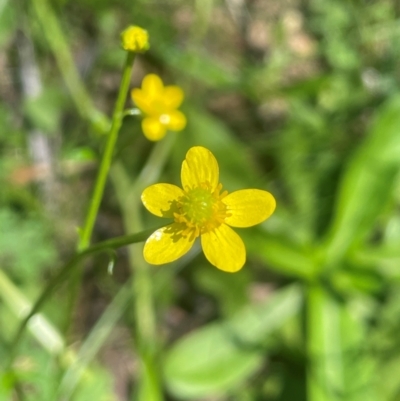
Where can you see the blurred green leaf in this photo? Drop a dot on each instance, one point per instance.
(44, 111)
(341, 54)
(367, 183)
(198, 66)
(385, 343)
(230, 291)
(25, 248)
(339, 367)
(7, 383)
(83, 153)
(95, 340)
(358, 363)
(281, 255)
(353, 279)
(221, 356)
(8, 21)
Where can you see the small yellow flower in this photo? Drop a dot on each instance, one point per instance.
(159, 104)
(202, 209)
(135, 39)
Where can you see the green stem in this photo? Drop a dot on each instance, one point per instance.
(66, 270)
(65, 62)
(105, 164)
(93, 342)
(315, 387)
(62, 53)
(128, 193)
(324, 380)
(43, 330)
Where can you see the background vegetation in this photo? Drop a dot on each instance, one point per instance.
(298, 97)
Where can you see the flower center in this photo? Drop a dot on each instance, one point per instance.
(165, 119)
(200, 210)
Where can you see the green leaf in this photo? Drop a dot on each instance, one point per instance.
(358, 364)
(280, 254)
(25, 245)
(230, 291)
(339, 367)
(81, 154)
(8, 21)
(44, 111)
(197, 65)
(367, 183)
(221, 356)
(385, 343)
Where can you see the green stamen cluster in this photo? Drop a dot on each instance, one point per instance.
(201, 210)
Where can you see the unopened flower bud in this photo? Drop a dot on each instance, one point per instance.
(135, 39)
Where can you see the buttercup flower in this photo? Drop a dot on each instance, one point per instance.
(202, 209)
(135, 39)
(159, 104)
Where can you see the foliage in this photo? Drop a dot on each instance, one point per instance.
(296, 98)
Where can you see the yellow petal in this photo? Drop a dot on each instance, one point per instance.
(153, 129)
(173, 97)
(152, 86)
(142, 101)
(160, 199)
(177, 121)
(224, 249)
(166, 245)
(200, 166)
(248, 207)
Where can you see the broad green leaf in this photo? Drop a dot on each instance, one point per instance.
(222, 355)
(358, 364)
(339, 368)
(367, 183)
(325, 380)
(280, 255)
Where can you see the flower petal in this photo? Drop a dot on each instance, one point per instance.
(153, 129)
(224, 249)
(177, 120)
(152, 86)
(142, 101)
(166, 245)
(200, 166)
(249, 207)
(173, 97)
(160, 199)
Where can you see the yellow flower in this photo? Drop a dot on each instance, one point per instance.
(202, 209)
(159, 104)
(135, 39)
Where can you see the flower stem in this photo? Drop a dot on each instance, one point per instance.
(128, 192)
(65, 271)
(81, 98)
(105, 164)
